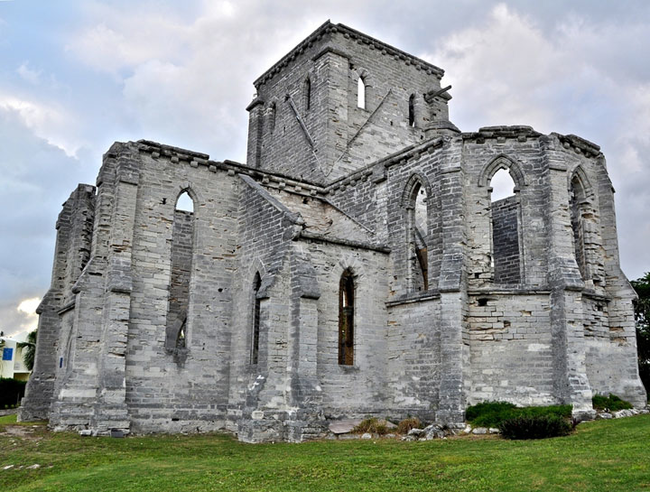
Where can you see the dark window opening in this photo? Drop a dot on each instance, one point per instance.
(346, 319)
(482, 301)
(255, 344)
(412, 110)
(307, 94)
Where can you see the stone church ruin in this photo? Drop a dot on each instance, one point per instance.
(356, 265)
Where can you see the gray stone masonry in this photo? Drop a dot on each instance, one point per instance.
(231, 316)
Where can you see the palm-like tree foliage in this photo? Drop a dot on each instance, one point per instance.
(29, 349)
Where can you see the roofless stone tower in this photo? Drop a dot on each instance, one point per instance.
(357, 264)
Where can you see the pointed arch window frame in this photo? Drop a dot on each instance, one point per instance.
(417, 259)
(520, 180)
(346, 328)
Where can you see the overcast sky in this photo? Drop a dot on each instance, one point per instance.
(77, 75)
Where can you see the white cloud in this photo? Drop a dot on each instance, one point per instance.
(50, 122)
(26, 73)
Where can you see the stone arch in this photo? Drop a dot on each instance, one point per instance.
(416, 179)
(503, 162)
(416, 239)
(584, 225)
(352, 263)
(190, 189)
(182, 252)
(505, 252)
(579, 174)
(369, 83)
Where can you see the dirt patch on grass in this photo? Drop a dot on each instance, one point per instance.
(26, 432)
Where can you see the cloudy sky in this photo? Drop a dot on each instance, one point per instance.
(77, 75)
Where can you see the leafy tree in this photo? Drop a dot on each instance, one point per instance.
(29, 349)
(642, 318)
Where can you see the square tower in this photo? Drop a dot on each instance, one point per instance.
(339, 101)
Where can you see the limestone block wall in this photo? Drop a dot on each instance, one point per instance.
(414, 361)
(361, 388)
(262, 249)
(74, 236)
(505, 241)
(518, 150)
(511, 353)
(185, 388)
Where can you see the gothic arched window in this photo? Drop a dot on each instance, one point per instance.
(578, 203)
(412, 110)
(505, 228)
(307, 94)
(417, 232)
(361, 93)
(346, 319)
(181, 267)
(255, 338)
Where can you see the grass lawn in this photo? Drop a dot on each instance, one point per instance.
(601, 456)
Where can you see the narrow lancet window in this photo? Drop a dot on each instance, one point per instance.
(346, 319)
(417, 232)
(412, 110)
(255, 342)
(308, 94)
(361, 93)
(578, 205)
(181, 266)
(504, 208)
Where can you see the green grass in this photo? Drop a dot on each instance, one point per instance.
(603, 456)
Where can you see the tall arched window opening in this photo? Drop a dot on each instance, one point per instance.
(505, 229)
(346, 319)
(308, 94)
(361, 93)
(255, 342)
(417, 237)
(181, 267)
(578, 203)
(412, 110)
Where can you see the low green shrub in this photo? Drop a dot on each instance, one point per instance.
(492, 413)
(535, 427)
(372, 425)
(489, 413)
(407, 424)
(11, 392)
(611, 403)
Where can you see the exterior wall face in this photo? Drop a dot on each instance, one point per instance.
(505, 241)
(511, 354)
(510, 310)
(193, 381)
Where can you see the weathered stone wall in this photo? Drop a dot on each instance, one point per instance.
(192, 381)
(511, 355)
(506, 313)
(74, 237)
(505, 241)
